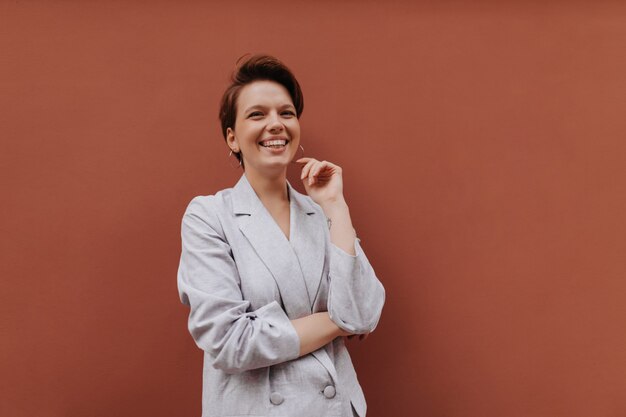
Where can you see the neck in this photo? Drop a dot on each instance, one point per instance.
(269, 189)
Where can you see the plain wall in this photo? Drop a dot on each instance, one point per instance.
(483, 148)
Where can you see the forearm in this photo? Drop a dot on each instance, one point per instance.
(342, 232)
(355, 295)
(316, 331)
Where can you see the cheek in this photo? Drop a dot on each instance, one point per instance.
(248, 133)
(295, 129)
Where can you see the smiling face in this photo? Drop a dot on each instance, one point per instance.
(267, 130)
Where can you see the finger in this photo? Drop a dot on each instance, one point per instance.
(306, 168)
(324, 172)
(313, 172)
(323, 169)
(310, 170)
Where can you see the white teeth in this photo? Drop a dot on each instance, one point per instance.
(274, 143)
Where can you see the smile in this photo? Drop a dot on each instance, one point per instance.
(275, 143)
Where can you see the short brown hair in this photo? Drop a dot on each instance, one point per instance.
(255, 68)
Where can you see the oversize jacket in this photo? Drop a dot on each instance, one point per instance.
(244, 281)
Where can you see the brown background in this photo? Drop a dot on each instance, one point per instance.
(484, 157)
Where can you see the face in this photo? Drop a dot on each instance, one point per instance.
(267, 130)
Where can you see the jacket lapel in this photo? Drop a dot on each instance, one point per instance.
(307, 240)
(296, 264)
(276, 252)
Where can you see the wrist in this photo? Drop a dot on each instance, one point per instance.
(331, 207)
(337, 331)
(341, 332)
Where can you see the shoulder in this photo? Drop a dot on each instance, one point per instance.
(209, 209)
(207, 204)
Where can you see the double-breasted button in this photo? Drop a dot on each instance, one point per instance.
(276, 398)
(329, 391)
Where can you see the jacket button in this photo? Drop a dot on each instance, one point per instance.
(276, 398)
(329, 391)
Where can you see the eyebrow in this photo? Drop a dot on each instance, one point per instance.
(260, 106)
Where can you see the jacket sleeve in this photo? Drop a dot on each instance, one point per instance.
(219, 320)
(355, 295)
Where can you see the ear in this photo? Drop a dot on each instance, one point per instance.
(231, 140)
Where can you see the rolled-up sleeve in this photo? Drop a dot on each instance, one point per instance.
(355, 296)
(219, 320)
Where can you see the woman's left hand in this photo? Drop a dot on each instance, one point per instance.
(322, 180)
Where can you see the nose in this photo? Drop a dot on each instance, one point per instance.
(274, 123)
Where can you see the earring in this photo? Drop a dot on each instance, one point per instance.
(302, 156)
(229, 155)
(293, 162)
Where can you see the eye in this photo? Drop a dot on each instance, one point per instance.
(255, 115)
(288, 113)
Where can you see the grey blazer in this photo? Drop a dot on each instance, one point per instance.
(244, 282)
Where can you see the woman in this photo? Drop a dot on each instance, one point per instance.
(275, 278)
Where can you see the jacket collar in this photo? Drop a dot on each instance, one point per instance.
(245, 200)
